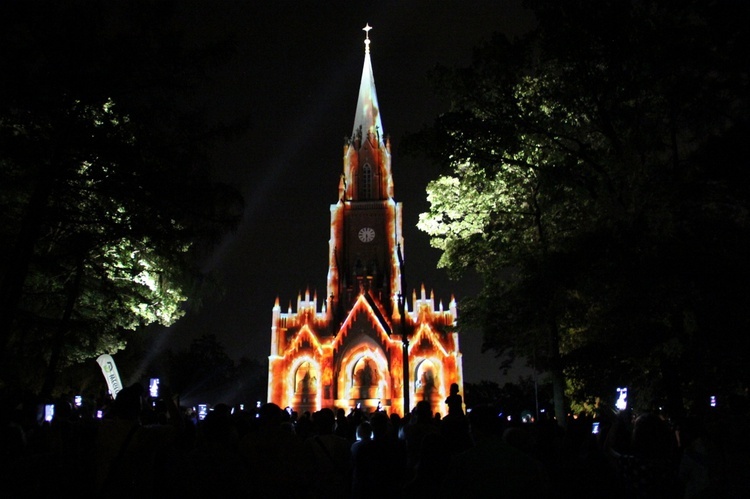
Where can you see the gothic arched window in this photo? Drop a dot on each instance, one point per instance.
(366, 186)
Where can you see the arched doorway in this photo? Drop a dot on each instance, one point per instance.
(306, 381)
(428, 383)
(364, 380)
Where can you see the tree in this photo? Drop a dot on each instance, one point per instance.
(591, 181)
(107, 198)
(251, 382)
(201, 372)
(482, 393)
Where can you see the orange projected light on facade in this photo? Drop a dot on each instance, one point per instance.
(349, 351)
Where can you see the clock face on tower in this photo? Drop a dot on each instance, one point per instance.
(366, 234)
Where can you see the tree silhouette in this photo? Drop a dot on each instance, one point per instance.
(107, 198)
(591, 181)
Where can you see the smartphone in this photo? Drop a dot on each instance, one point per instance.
(78, 400)
(595, 428)
(153, 388)
(202, 411)
(49, 412)
(622, 398)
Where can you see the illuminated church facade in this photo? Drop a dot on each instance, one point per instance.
(365, 345)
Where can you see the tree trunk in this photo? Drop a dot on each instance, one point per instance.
(58, 342)
(17, 265)
(558, 377)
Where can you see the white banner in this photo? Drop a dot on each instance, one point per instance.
(109, 369)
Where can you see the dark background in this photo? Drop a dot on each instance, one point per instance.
(297, 76)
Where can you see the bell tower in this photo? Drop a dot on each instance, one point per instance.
(366, 232)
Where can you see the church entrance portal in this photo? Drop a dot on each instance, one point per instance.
(364, 381)
(306, 387)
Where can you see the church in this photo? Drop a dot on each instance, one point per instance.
(365, 345)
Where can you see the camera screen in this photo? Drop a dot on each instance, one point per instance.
(153, 388)
(202, 411)
(49, 412)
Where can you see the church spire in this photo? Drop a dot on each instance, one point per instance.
(367, 117)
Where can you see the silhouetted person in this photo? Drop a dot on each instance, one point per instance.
(492, 467)
(354, 418)
(304, 425)
(330, 458)
(132, 457)
(70, 448)
(455, 430)
(454, 401)
(342, 424)
(214, 466)
(363, 470)
(421, 423)
(379, 462)
(363, 433)
(701, 466)
(17, 470)
(274, 455)
(646, 467)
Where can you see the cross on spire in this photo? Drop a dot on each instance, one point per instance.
(367, 29)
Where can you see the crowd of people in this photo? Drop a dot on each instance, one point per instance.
(161, 450)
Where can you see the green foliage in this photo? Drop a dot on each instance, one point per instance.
(591, 178)
(106, 192)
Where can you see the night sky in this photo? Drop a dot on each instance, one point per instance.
(297, 76)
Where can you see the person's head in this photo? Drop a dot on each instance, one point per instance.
(651, 436)
(222, 410)
(423, 411)
(454, 389)
(325, 421)
(128, 402)
(63, 410)
(270, 414)
(379, 421)
(364, 430)
(395, 420)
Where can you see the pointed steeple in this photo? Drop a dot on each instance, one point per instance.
(368, 113)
